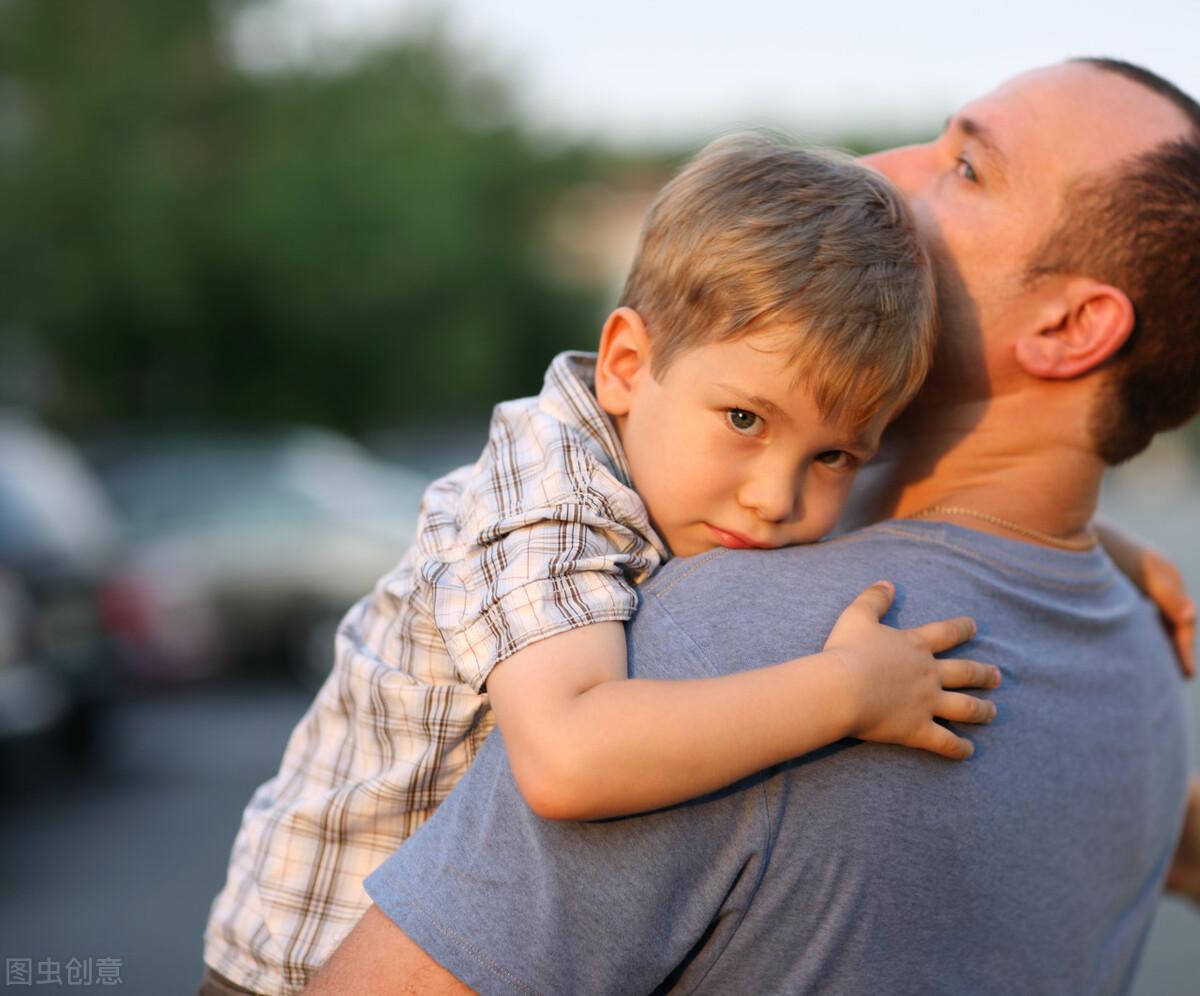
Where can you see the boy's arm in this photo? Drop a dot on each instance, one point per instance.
(586, 742)
(1161, 582)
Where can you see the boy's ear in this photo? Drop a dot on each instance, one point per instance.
(623, 359)
(1080, 328)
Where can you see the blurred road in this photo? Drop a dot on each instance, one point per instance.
(123, 864)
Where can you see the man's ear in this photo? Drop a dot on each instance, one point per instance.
(1081, 327)
(624, 357)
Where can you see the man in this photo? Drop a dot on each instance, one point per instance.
(1063, 215)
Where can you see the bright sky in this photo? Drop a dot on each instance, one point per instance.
(639, 70)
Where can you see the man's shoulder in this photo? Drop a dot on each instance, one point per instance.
(812, 567)
(767, 605)
(916, 548)
(729, 609)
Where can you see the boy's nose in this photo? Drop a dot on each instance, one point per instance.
(773, 499)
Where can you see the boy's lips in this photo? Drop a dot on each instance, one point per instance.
(736, 541)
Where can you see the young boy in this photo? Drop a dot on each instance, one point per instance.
(779, 312)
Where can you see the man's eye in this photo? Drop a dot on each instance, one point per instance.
(836, 459)
(966, 170)
(740, 420)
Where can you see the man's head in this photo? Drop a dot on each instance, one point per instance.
(778, 312)
(1062, 211)
(1137, 227)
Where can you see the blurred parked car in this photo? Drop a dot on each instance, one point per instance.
(249, 549)
(57, 536)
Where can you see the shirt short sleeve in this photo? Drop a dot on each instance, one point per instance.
(550, 539)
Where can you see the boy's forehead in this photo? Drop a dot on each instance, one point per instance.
(762, 357)
(765, 371)
(759, 364)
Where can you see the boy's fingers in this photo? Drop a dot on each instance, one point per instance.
(876, 599)
(938, 740)
(961, 708)
(954, 672)
(944, 634)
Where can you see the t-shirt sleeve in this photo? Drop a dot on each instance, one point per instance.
(510, 903)
(550, 541)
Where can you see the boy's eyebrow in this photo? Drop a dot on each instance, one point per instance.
(765, 404)
(864, 439)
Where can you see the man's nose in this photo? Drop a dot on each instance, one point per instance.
(902, 166)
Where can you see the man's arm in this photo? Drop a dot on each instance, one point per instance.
(1184, 875)
(1160, 580)
(378, 959)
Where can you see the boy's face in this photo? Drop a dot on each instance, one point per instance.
(726, 449)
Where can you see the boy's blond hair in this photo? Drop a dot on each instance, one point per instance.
(754, 234)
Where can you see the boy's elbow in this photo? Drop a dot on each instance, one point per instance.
(550, 803)
(551, 790)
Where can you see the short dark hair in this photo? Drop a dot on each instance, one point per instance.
(1137, 227)
(755, 233)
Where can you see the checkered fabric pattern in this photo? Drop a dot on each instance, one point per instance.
(543, 534)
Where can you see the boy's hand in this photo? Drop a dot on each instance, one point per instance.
(898, 687)
(1160, 581)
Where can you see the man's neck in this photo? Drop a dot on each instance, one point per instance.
(990, 458)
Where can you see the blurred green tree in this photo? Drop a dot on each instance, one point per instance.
(186, 239)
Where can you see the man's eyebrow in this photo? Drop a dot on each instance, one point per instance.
(979, 133)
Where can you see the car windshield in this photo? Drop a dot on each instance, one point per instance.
(255, 482)
(50, 504)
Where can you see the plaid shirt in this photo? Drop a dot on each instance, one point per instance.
(543, 534)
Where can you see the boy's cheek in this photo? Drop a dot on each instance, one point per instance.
(825, 521)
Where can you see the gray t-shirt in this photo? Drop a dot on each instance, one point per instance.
(1034, 867)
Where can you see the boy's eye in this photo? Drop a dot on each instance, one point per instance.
(966, 170)
(747, 423)
(836, 459)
